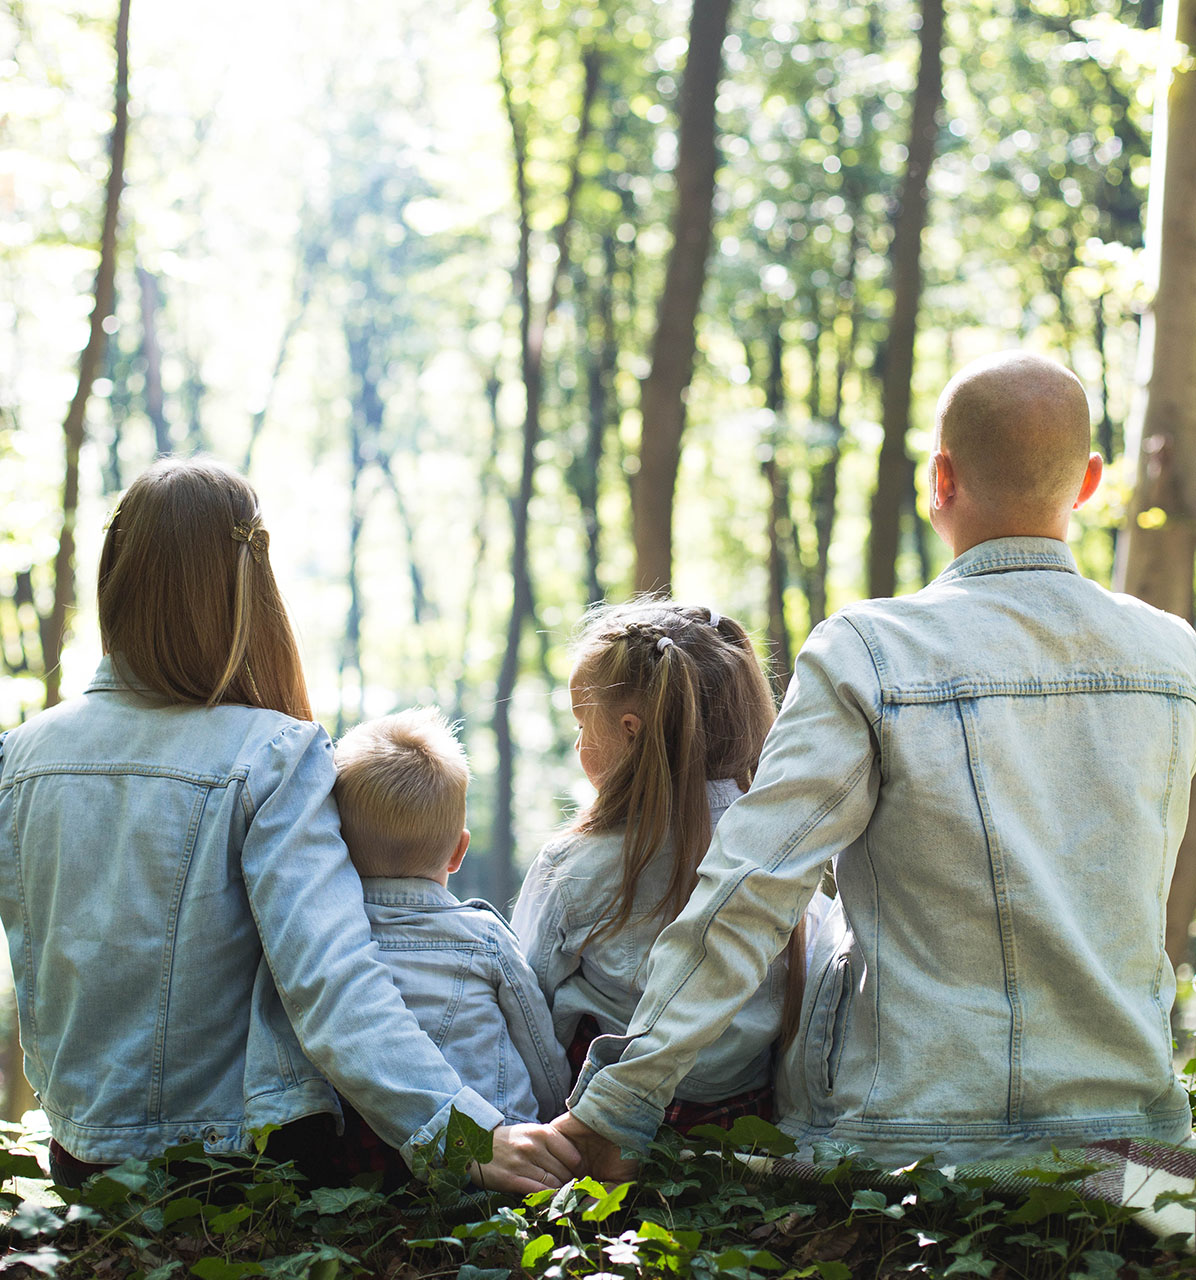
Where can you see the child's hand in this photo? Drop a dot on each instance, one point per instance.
(527, 1158)
(603, 1160)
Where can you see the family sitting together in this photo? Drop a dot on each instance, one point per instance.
(217, 922)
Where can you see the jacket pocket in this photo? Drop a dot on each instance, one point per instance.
(828, 1025)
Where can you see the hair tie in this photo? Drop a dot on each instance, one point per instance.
(254, 537)
(663, 643)
(715, 618)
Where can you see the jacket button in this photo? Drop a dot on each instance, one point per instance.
(212, 1135)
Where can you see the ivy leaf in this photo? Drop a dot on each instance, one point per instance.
(466, 1142)
(607, 1204)
(748, 1133)
(331, 1201)
(535, 1249)
(467, 1271)
(45, 1260)
(1042, 1203)
(15, 1164)
(1100, 1265)
(827, 1270)
(32, 1220)
(971, 1264)
(261, 1136)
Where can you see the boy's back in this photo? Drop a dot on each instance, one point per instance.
(462, 975)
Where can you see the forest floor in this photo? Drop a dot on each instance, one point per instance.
(702, 1208)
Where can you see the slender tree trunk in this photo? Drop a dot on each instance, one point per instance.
(892, 469)
(75, 424)
(665, 387)
(533, 323)
(151, 351)
(1157, 551)
(780, 518)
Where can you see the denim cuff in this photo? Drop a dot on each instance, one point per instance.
(614, 1111)
(468, 1103)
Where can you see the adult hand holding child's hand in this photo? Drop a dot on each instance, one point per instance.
(527, 1158)
(601, 1157)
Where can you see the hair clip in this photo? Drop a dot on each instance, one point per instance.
(663, 643)
(254, 537)
(110, 518)
(715, 618)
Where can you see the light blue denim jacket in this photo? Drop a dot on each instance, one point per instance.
(568, 892)
(461, 973)
(999, 766)
(188, 936)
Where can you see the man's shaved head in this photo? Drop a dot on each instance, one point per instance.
(1016, 429)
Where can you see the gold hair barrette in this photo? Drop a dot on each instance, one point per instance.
(254, 537)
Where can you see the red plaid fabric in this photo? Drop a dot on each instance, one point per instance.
(680, 1115)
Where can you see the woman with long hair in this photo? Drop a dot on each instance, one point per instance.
(191, 954)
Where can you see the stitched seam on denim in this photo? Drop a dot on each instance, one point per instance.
(1088, 682)
(967, 715)
(507, 977)
(127, 769)
(878, 976)
(158, 1058)
(27, 947)
(450, 1008)
(1164, 1014)
(879, 667)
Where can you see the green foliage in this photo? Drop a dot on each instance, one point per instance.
(700, 1209)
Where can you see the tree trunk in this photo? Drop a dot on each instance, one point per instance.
(664, 389)
(892, 469)
(75, 423)
(1157, 551)
(151, 353)
(780, 518)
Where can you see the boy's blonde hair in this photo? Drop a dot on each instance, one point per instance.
(400, 785)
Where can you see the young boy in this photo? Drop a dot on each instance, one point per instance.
(401, 784)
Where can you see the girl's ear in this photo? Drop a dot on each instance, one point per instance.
(631, 724)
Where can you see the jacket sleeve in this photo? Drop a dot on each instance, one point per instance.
(307, 903)
(814, 794)
(539, 919)
(530, 1025)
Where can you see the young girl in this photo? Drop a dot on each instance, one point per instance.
(190, 952)
(672, 709)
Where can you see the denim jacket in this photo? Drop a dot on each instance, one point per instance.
(999, 766)
(461, 973)
(568, 892)
(190, 950)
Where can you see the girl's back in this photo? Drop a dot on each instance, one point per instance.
(564, 900)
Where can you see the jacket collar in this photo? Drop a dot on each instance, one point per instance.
(407, 891)
(108, 677)
(1006, 555)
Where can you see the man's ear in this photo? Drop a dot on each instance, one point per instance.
(1096, 468)
(631, 724)
(459, 852)
(942, 481)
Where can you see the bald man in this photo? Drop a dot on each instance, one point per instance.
(998, 768)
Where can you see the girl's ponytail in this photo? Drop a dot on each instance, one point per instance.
(704, 707)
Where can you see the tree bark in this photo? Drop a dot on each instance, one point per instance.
(1157, 550)
(151, 353)
(75, 424)
(892, 468)
(664, 389)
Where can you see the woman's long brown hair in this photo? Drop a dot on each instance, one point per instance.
(189, 608)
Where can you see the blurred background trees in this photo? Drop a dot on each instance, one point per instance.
(430, 272)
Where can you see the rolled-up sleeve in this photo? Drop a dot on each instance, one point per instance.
(813, 794)
(306, 900)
